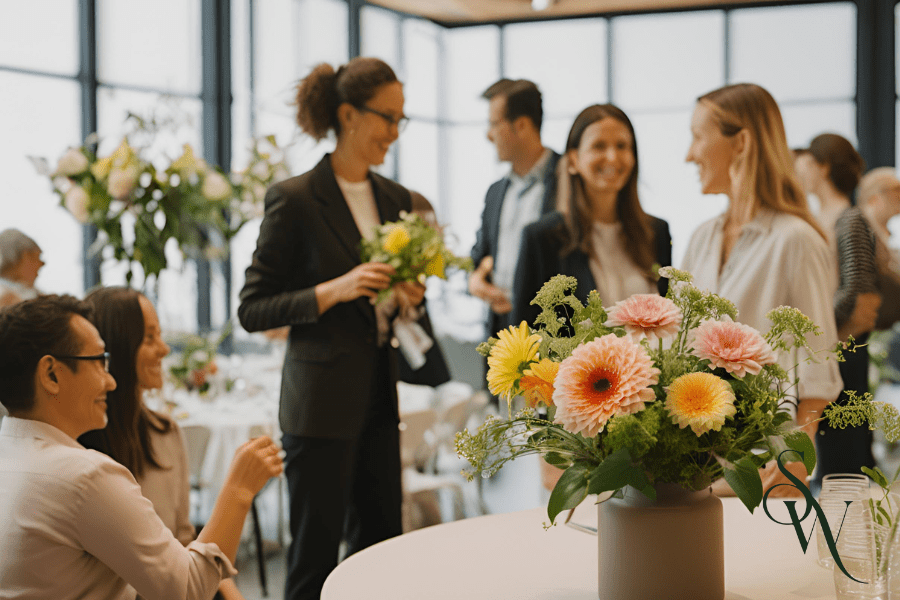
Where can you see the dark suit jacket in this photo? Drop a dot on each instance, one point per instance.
(488, 235)
(540, 260)
(308, 236)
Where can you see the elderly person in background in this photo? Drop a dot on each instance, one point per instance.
(73, 522)
(878, 196)
(20, 261)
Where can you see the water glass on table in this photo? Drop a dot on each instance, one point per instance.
(837, 490)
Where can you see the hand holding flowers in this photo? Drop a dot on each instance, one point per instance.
(414, 249)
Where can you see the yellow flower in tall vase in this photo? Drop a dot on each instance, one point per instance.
(514, 352)
(396, 240)
(701, 401)
(537, 384)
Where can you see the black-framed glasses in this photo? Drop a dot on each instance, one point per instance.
(401, 122)
(104, 357)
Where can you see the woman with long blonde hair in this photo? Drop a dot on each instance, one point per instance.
(766, 250)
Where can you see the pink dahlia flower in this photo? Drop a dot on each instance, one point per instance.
(646, 315)
(735, 347)
(603, 378)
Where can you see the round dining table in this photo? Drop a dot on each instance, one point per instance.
(512, 556)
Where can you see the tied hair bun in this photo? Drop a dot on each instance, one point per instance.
(317, 101)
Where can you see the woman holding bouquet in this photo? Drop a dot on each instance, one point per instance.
(338, 409)
(601, 235)
(766, 250)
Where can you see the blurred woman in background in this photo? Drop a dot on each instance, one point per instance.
(20, 261)
(831, 169)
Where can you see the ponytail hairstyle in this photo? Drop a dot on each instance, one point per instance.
(637, 231)
(845, 165)
(321, 92)
(765, 174)
(126, 438)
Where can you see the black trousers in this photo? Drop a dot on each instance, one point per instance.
(846, 450)
(342, 490)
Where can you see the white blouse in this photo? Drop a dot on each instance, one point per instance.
(616, 277)
(169, 488)
(73, 524)
(778, 260)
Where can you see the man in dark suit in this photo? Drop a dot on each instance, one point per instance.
(520, 198)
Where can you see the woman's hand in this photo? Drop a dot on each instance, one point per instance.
(862, 319)
(364, 280)
(409, 295)
(480, 287)
(253, 465)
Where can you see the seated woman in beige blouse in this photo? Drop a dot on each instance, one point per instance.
(766, 250)
(601, 236)
(148, 443)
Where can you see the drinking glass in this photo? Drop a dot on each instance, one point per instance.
(837, 490)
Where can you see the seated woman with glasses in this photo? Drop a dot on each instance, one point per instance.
(73, 522)
(147, 443)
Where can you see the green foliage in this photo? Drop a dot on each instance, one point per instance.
(862, 409)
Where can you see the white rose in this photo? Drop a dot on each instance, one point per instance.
(121, 182)
(72, 163)
(260, 170)
(215, 187)
(76, 202)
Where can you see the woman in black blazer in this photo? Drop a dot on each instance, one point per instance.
(338, 408)
(601, 236)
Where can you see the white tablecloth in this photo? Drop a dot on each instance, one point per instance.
(510, 556)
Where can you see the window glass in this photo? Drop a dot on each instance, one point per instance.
(419, 164)
(421, 50)
(566, 59)
(380, 35)
(471, 57)
(813, 46)
(40, 35)
(241, 129)
(803, 122)
(667, 60)
(150, 44)
(41, 119)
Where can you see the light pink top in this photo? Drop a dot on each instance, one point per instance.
(778, 260)
(73, 524)
(169, 488)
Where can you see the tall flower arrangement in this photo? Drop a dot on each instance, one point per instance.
(188, 200)
(654, 390)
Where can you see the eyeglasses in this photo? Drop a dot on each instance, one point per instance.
(104, 357)
(400, 122)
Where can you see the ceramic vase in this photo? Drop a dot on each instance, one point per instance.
(671, 548)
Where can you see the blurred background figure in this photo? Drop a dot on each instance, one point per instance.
(878, 197)
(20, 261)
(602, 236)
(831, 168)
(148, 443)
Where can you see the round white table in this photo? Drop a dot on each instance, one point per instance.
(511, 556)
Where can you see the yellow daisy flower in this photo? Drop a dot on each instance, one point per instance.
(701, 401)
(435, 266)
(511, 355)
(396, 240)
(537, 384)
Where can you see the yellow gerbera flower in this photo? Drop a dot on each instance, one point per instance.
(701, 401)
(435, 266)
(511, 355)
(537, 384)
(396, 240)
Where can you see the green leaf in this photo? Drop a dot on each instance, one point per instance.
(570, 490)
(745, 481)
(878, 477)
(617, 471)
(803, 445)
(555, 458)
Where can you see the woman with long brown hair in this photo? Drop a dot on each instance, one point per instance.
(147, 443)
(766, 250)
(601, 234)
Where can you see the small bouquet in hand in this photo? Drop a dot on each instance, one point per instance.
(414, 248)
